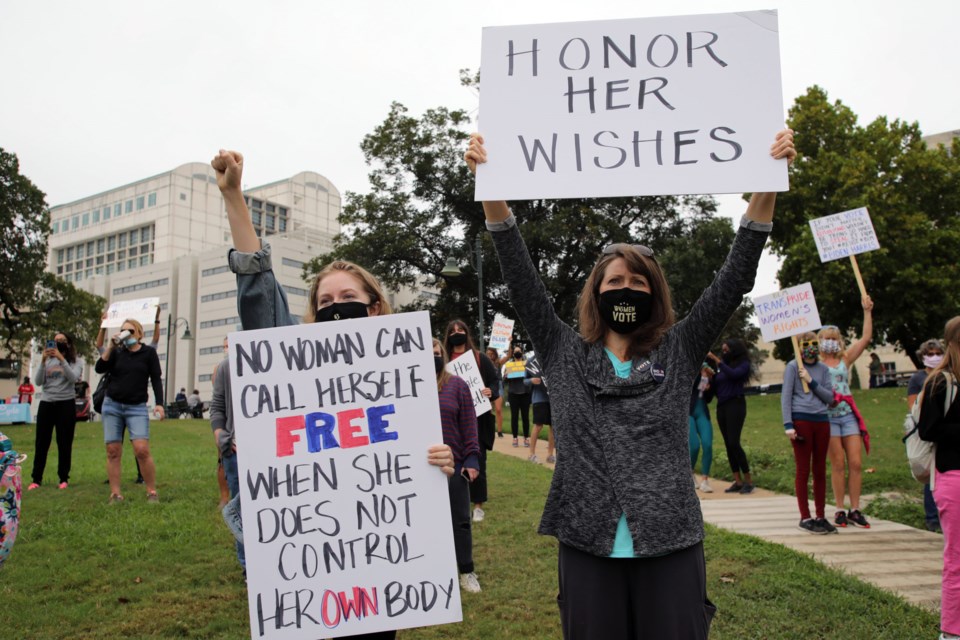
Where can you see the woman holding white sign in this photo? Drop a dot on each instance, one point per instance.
(459, 422)
(621, 502)
(846, 440)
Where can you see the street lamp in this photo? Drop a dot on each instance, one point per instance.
(452, 270)
(172, 326)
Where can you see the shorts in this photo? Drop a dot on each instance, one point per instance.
(541, 413)
(118, 416)
(843, 426)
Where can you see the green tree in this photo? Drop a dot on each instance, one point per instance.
(913, 195)
(34, 303)
(421, 210)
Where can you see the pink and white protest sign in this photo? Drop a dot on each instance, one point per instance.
(787, 313)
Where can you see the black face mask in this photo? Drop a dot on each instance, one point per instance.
(624, 310)
(517, 355)
(457, 339)
(342, 311)
(438, 364)
(62, 347)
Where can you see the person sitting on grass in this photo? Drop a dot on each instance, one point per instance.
(806, 423)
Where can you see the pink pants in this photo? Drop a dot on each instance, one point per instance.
(947, 495)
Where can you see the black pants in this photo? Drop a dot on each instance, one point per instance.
(520, 408)
(61, 414)
(634, 598)
(730, 417)
(459, 488)
(478, 490)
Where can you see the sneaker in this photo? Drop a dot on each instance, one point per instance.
(62, 485)
(516, 443)
(478, 514)
(499, 434)
(33, 485)
(746, 490)
(840, 518)
(736, 487)
(526, 442)
(115, 499)
(857, 518)
(705, 486)
(552, 459)
(469, 582)
(824, 524)
(152, 496)
(948, 636)
(534, 459)
(810, 526)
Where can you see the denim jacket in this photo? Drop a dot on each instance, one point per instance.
(261, 301)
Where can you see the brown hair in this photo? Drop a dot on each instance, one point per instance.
(648, 335)
(470, 346)
(444, 376)
(370, 284)
(951, 354)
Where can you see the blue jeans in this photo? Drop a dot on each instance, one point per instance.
(233, 483)
(117, 415)
(930, 507)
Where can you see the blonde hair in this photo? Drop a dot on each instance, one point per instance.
(444, 376)
(951, 354)
(369, 283)
(832, 333)
(648, 336)
(137, 327)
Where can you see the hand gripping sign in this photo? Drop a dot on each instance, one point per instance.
(346, 526)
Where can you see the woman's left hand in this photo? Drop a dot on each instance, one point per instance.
(782, 146)
(486, 391)
(441, 455)
(472, 474)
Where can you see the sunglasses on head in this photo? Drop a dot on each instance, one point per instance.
(809, 343)
(620, 247)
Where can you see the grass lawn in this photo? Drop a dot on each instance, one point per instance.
(81, 569)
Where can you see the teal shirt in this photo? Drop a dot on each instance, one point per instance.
(623, 542)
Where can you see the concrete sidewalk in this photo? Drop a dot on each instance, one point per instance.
(892, 556)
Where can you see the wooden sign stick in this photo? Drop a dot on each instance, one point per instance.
(856, 272)
(799, 357)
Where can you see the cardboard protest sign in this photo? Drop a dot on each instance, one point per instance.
(655, 106)
(515, 369)
(346, 526)
(787, 313)
(465, 367)
(143, 310)
(501, 334)
(844, 234)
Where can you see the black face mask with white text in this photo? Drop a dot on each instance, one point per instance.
(624, 310)
(341, 311)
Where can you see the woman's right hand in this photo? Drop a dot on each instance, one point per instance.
(229, 168)
(791, 433)
(475, 154)
(805, 375)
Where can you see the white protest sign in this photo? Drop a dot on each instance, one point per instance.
(465, 367)
(844, 234)
(347, 527)
(655, 106)
(143, 310)
(501, 333)
(788, 312)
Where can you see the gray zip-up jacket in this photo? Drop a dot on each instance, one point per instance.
(624, 441)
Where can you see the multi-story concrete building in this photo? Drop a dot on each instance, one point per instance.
(167, 236)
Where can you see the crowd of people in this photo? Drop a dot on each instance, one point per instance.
(627, 407)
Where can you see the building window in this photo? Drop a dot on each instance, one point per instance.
(152, 200)
(90, 248)
(283, 211)
(145, 260)
(122, 240)
(59, 271)
(122, 254)
(111, 243)
(132, 263)
(89, 262)
(121, 266)
(128, 206)
(296, 291)
(100, 245)
(289, 262)
(111, 257)
(206, 351)
(183, 197)
(257, 204)
(76, 223)
(69, 254)
(162, 282)
(206, 377)
(99, 259)
(271, 222)
(140, 203)
(116, 210)
(133, 251)
(85, 219)
(109, 269)
(283, 225)
(210, 297)
(214, 271)
(56, 226)
(88, 273)
(79, 251)
(133, 237)
(96, 216)
(98, 271)
(219, 323)
(59, 256)
(106, 213)
(145, 234)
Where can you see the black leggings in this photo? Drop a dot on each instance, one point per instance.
(61, 414)
(730, 417)
(520, 408)
(624, 598)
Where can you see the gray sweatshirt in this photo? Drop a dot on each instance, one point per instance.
(806, 406)
(58, 379)
(221, 407)
(624, 441)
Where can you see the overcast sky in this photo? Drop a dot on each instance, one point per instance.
(99, 94)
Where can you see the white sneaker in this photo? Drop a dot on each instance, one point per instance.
(705, 486)
(469, 582)
(534, 459)
(478, 515)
